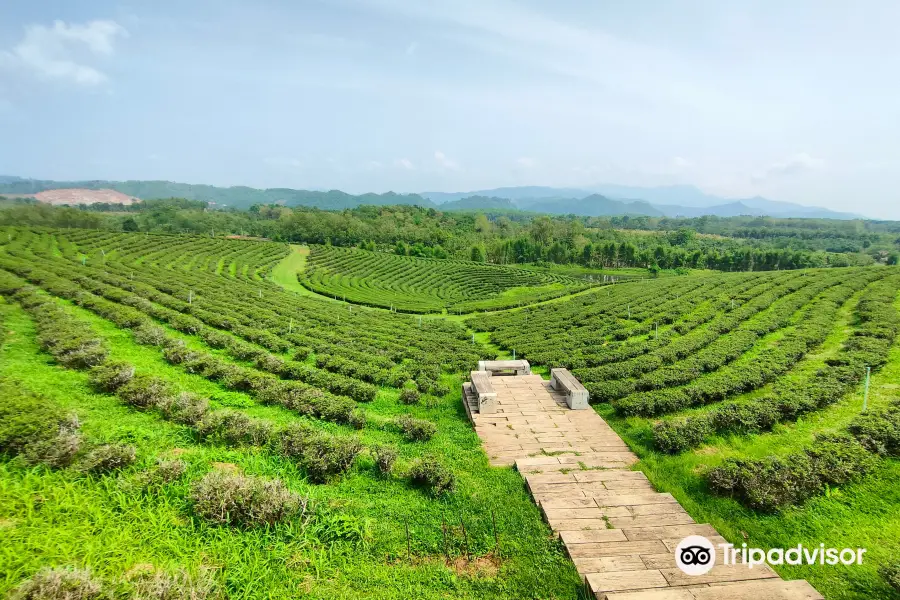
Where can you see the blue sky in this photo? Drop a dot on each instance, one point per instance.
(795, 101)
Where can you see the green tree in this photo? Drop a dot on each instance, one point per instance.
(477, 254)
(129, 224)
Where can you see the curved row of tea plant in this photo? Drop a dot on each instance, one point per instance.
(704, 377)
(877, 325)
(264, 314)
(420, 285)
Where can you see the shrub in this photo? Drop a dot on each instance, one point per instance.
(320, 454)
(773, 483)
(27, 419)
(408, 396)
(150, 335)
(839, 459)
(185, 408)
(107, 458)
(159, 585)
(879, 431)
(357, 419)
(233, 428)
(766, 484)
(677, 436)
(384, 456)
(59, 584)
(244, 501)
(163, 473)
(415, 430)
(891, 573)
(429, 473)
(58, 451)
(145, 391)
(326, 456)
(111, 375)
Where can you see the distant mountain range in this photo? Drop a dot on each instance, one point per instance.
(596, 201)
(610, 199)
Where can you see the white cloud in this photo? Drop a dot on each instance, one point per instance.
(404, 163)
(411, 48)
(679, 162)
(794, 165)
(373, 165)
(444, 161)
(526, 162)
(54, 52)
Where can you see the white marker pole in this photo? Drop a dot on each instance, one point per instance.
(866, 394)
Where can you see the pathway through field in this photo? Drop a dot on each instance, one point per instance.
(620, 532)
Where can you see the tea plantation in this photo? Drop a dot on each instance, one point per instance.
(175, 419)
(423, 285)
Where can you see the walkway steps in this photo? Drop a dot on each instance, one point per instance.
(619, 531)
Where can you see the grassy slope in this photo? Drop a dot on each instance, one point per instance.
(61, 518)
(861, 515)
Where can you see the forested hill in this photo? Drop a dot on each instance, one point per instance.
(236, 197)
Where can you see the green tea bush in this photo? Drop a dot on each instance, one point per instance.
(773, 483)
(180, 585)
(111, 375)
(36, 430)
(233, 428)
(891, 573)
(185, 408)
(60, 584)
(415, 430)
(162, 473)
(384, 456)
(320, 454)
(879, 431)
(146, 391)
(244, 501)
(429, 473)
(108, 458)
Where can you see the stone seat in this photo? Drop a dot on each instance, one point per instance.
(505, 367)
(484, 391)
(576, 394)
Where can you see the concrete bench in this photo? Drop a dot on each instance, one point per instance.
(576, 395)
(484, 391)
(505, 367)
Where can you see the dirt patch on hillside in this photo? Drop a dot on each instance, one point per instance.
(74, 196)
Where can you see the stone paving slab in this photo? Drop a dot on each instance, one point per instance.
(619, 531)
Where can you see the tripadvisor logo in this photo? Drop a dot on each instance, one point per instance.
(696, 555)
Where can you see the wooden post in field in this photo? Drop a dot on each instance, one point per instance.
(190, 296)
(866, 393)
(291, 326)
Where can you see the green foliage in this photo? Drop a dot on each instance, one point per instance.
(60, 584)
(428, 285)
(244, 501)
(429, 473)
(385, 457)
(415, 430)
(108, 458)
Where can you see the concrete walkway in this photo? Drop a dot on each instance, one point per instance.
(620, 532)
